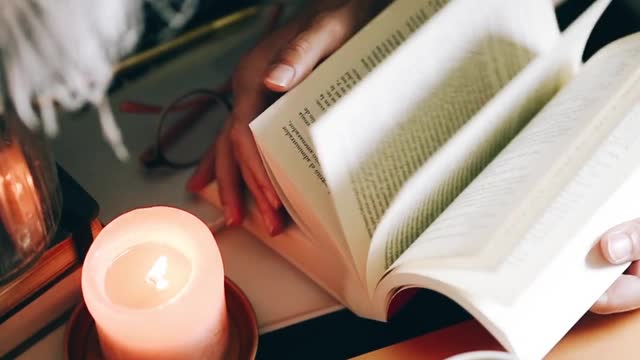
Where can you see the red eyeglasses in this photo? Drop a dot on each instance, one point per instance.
(182, 137)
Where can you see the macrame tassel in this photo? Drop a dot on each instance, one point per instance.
(62, 53)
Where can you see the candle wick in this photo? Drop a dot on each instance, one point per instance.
(156, 275)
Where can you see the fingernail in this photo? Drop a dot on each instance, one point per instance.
(269, 223)
(603, 299)
(229, 218)
(620, 247)
(277, 229)
(281, 75)
(273, 199)
(273, 224)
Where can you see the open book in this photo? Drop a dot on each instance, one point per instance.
(463, 147)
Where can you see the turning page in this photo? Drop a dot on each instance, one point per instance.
(478, 142)
(528, 263)
(373, 141)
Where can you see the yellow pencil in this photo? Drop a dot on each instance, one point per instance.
(185, 39)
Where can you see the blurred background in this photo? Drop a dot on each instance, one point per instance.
(621, 18)
(159, 43)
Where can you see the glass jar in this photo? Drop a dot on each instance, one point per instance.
(30, 197)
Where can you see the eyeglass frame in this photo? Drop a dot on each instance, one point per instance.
(155, 156)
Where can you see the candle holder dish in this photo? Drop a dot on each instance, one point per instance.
(81, 338)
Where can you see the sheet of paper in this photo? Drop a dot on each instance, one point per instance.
(562, 278)
(540, 269)
(487, 203)
(440, 179)
(399, 116)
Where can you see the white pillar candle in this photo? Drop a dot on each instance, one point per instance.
(153, 281)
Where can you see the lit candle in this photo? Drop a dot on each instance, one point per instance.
(153, 281)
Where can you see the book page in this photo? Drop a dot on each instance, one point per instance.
(559, 64)
(475, 144)
(563, 182)
(413, 103)
(282, 131)
(486, 204)
(454, 166)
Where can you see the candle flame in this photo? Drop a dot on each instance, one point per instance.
(156, 275)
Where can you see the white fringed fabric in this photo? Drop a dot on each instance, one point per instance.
(63, 52)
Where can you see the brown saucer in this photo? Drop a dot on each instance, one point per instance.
(81, 339)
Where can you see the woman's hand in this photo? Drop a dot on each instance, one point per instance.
(621, 245)
(277, 64)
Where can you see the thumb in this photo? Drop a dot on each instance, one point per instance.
(622, 243)
(623, 295)
(326, 33)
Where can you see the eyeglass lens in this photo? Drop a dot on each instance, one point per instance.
(189, 126)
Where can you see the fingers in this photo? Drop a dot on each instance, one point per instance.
(229, 159)
(248, 157)
(248, 106)
(634, 269)
(623, 295)
(236, 154)
(247, 152)
(324, 36)
(622, 243)
(270, 216)
(205, 172)
(297, 48)
(229, 185)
